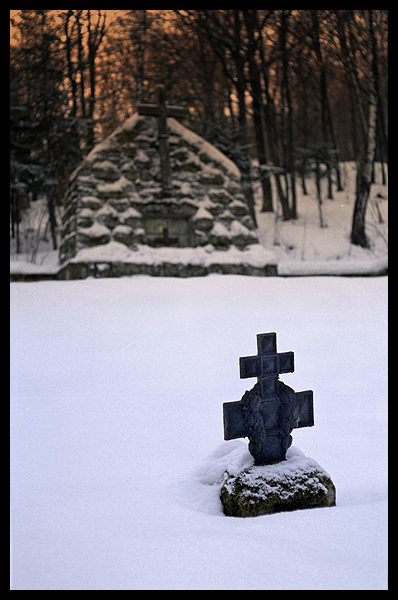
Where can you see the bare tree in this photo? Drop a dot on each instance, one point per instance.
(84, 34)
(358, 235)
(254, 28)
(225, 31)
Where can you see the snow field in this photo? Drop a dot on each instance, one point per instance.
(117, 443)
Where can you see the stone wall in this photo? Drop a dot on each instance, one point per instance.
(115, 195)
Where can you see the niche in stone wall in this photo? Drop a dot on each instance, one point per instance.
(169, 231)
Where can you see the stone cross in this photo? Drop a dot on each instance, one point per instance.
(270, 410)
(161, 110)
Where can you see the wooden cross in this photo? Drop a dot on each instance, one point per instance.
(166, 240)
(267, 365)
(161, 110)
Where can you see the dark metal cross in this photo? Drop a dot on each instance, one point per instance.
(161, 110)
(268, 413)
(267, 365)
(166, 240)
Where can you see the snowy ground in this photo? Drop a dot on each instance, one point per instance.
(302, 247)
(117, 443)
(298, 247)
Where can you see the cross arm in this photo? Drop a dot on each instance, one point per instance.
(249, 366)
(234, 424)
(305, 403)
(148, 110)
(273, 365)
(176, 111)
(152, 110)
(234, 416)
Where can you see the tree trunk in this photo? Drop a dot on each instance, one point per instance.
(244, 138)
(95, 36)
(358, 235)
(323, 91)
(289, 141)
(52, 218)
(262, 158)
(319, 191)
(15, 218)
(141, 57)
(81, 63)
(269, 117)
(252, 25)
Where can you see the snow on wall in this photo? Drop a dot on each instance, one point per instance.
(116, 191)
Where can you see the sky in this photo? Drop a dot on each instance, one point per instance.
(110, 14)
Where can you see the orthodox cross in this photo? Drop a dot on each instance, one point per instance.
(161, 110)
(166, 240)
(268, 413)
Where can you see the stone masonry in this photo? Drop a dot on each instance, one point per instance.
(115, 195)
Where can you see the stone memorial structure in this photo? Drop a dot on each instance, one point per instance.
(266, 415)
(156, 198)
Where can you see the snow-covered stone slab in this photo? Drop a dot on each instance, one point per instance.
(115, 259)
(296, 483)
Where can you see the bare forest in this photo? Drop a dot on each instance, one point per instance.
(284, 93)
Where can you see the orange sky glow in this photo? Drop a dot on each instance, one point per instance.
(111, 14)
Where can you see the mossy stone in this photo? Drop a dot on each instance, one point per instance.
(258, 491)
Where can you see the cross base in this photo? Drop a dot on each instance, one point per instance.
(167, 191)
(298, 483)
